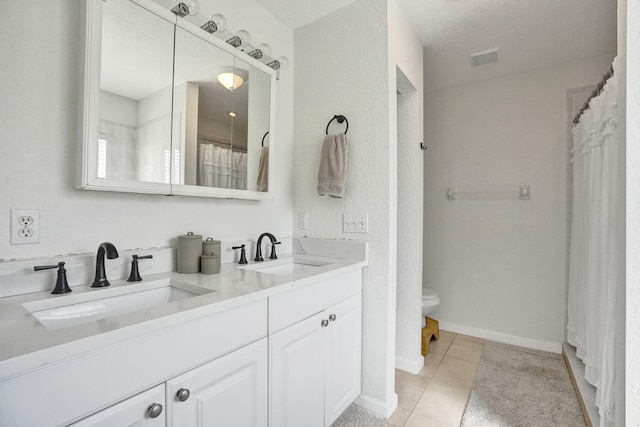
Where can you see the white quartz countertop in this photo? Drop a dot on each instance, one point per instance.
(27, 345)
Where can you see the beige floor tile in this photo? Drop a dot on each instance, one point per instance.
(431, 363)
(466, 350)
(456, 372)
(417, 420)
(441, 345)
(409, 388)
(442, 402)
(398, 418)
(470, 338)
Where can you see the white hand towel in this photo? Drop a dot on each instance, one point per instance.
(263, 170)
(332, 174)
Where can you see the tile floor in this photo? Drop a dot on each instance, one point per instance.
(437, 395)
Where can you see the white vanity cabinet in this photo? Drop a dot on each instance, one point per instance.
(342, 357)
(290, 358)
(315, 363)
(146, 409)
(230, 391)
(70, 390)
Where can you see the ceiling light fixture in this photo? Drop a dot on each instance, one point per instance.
(231, 78)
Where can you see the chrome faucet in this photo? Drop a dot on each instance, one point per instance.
(274, 242)
(101, 277)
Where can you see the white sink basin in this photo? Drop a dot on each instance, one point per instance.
(285, 267)
(75, 309)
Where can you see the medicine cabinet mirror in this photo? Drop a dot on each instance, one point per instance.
(155, 116)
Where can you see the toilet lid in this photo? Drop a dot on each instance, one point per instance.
(429, 293)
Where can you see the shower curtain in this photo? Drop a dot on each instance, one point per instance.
(594, 274)
(222, 168)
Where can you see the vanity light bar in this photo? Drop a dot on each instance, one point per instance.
(181, 10)
(210, 27)
(216, 25)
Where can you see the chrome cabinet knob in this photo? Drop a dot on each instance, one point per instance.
(324, 323)
(154, 410)
(332, 317)
(183, 394)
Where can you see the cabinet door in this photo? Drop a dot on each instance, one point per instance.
(135, 411)
(343, 361)
(229, 392)
(296, 368)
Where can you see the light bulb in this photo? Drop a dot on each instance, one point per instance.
(265, 49)
(244, 36)
(194, 7)
(220, 21)
(284, 62)
(261, 51)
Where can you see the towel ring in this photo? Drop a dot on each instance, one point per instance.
(340, 118)
(265, 135)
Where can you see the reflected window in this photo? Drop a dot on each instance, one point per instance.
(167, 166)
(102, 156)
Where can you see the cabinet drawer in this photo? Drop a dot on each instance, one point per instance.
(69, 390)
(298, 304)
(135, 411)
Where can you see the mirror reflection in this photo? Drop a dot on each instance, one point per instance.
(215, 94)
(136, 75)
(176, 108)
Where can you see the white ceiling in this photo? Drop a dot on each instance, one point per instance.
(530, 33)
(297, 13)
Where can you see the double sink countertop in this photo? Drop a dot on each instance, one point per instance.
(26, 344)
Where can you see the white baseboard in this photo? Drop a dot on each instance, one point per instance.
(550, 346)
(378, 407)
(410, 365)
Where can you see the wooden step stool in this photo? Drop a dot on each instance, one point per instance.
(431, 330)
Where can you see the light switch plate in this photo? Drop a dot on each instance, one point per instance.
(356, 223)
(303, 221)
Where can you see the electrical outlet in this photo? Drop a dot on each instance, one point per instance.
(25, 220)
(25, 226)
(356, 223)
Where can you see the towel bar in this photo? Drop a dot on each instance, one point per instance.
(340, 118)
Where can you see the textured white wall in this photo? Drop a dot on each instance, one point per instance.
(499, 265)
(37, 155)
(341, 68)
(405, 69)
(346, 64)
(632, 48)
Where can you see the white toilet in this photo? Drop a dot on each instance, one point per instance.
(430, 301)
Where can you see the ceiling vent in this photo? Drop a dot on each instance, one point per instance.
(485, 57)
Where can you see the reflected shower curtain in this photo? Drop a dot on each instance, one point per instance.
(222, 168)
(594, 274)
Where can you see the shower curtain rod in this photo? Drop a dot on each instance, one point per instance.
(595, 93)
